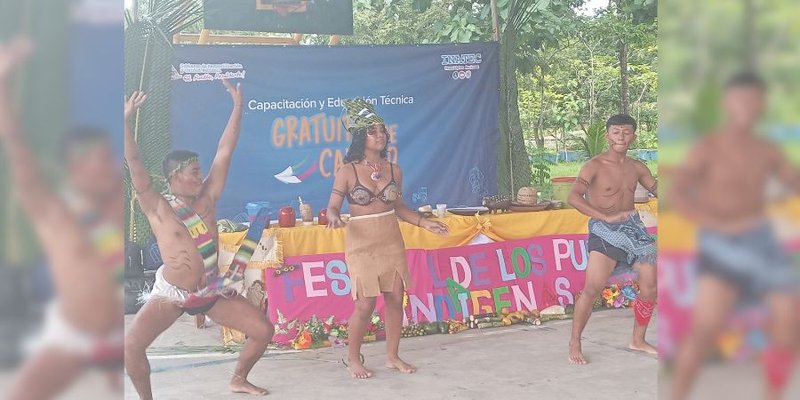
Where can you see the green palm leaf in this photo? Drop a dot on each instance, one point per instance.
(148, 61)
(595, 141)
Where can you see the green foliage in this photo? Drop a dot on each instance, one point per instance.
(38, 90)
(559, 70)
(572, 169)
(393, 22)
(594, 142)
(646, 140)
(148, 57)
(577, 81)
(704, 43)
(540, 168)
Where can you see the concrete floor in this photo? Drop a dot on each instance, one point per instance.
(517, 362)
(731, 382)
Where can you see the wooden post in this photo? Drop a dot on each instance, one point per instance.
(495, 24)
(204, 34)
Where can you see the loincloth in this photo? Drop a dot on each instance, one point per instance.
(98, 350)
(754, 262)
(627, 242)
(375, 253)
(190, 303)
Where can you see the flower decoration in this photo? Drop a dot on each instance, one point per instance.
(610, 294)
(303, 340)
(629, 292)
(284, 326)
(619, 296)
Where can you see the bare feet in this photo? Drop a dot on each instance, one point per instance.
(400, 365)
(357, 370)
(241, 385)
(575, 353)
(643, 347)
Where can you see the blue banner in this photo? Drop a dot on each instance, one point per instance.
(440, 103)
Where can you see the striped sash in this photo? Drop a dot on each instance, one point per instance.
(217, 284)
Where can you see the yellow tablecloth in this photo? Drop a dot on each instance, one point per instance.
(677, 233)
(305, 240)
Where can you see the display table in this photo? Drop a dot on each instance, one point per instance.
(316, 239)
(490, 262)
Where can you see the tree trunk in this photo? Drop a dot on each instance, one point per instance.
(624, 90)
(540, 128)
(639, 103)
(557, 143)
(622, 56)
(514, 170)
(592, 95)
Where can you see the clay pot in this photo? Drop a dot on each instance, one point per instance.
(287, 217)
(323, 217)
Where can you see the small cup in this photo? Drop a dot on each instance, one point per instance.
(441, 209)
(306, 213)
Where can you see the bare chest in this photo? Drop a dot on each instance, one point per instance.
(179, 248)
(613, 180)
(736, 169)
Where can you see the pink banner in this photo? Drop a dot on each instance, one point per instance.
(676, 291)
(677, 281)
(446, 283)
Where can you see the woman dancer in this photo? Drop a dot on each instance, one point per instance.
(375, 252)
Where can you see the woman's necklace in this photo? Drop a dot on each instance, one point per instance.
(376, 170)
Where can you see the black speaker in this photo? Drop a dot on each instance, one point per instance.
(133, 261)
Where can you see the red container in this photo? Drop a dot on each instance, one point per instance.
(564, 179)
(287, 217)
(323, 216)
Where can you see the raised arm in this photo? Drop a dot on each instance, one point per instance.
(29, 186)
(140, 178)
(646, 178)
(59, 230)
(411, 216)
(227, 144)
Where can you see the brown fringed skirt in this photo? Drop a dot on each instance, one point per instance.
(375, 253)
